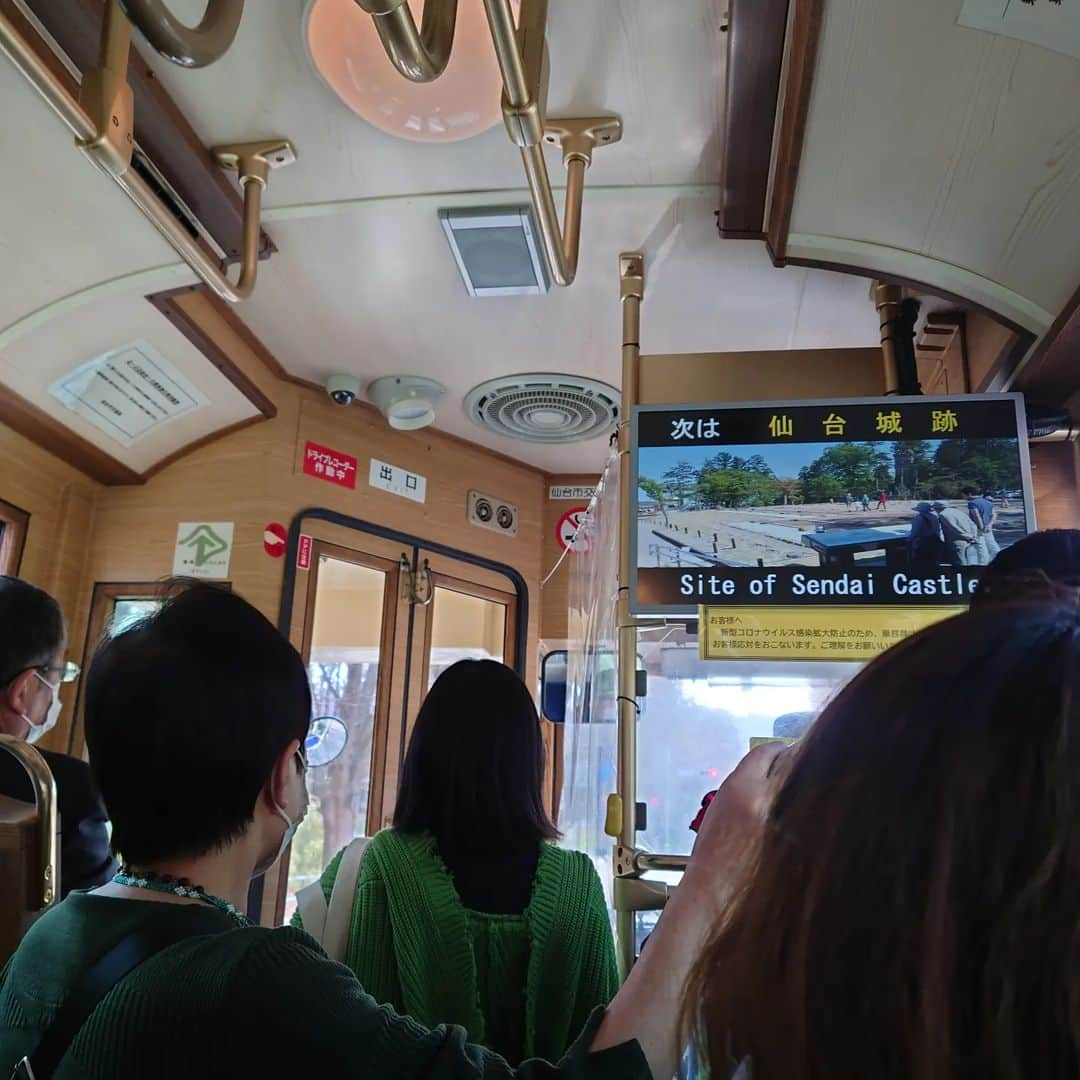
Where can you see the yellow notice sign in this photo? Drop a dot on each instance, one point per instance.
(809, 633)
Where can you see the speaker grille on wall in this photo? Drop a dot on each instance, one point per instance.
(487, 512)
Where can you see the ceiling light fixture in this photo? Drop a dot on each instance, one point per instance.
(346, 51)
(407, 401)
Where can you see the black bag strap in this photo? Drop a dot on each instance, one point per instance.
(126, 955)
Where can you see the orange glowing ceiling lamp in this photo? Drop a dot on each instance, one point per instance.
(461, 100)
(465, 99)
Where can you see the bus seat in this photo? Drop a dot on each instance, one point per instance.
(29, 846)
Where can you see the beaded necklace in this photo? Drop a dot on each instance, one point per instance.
(165, 883)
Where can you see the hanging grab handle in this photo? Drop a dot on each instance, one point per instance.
(420, 55)
(188, 46)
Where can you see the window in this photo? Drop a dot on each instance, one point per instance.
(13, 526)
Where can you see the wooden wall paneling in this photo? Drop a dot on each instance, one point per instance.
(941, 355)
(60, 502)
(39, 427)
(1055, 474)
(799, 68)
(761, 376)
(1052, 371)
(755, 53)
(162, 131)
(993, 351)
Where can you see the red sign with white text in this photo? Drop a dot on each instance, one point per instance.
(303, 553)
(274, 540)
(326, 464)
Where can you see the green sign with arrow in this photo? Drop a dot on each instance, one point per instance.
(203, 549)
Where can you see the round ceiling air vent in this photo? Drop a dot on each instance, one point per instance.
(544, 408)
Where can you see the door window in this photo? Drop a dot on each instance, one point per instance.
(464, 627)
(344, 661)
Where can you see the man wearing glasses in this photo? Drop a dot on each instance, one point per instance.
(32, 667)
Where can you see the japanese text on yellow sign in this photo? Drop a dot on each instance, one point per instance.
(804, 633)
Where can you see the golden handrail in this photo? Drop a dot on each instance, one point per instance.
(102, 125)
(522, 54)
(187, 46)
(44, 891)
(420, 55)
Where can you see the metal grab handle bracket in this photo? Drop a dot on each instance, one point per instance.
(522, 54)
(420, 55)
(102, 123)
(187, 46)
(41, 779)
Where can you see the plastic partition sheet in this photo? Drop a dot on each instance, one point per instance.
(589, 744)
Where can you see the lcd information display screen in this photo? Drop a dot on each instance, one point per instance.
(894, 500)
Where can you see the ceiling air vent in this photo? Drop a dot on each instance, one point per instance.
(496, 250)
(544, 408)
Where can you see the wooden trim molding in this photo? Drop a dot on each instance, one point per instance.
(165, 302)
(162, 131)
(1051, 372)
(15, 523)
(795, 107)
(40, 428)
(755, 55)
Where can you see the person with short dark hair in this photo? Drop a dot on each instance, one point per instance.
(983, 513)
(33, 638)
(1031, 567)
(196, 719)
(465, 912)
(913, 910)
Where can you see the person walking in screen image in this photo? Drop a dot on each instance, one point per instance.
(983, 513)
(960, 533)
(883, 500)
(849, 501)
(926, 546)
(464, 911)
(865, 501)
(33, 639)
(916, 916)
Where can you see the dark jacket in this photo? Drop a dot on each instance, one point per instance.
(85, 860)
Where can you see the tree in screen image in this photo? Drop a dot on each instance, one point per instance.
(858, 468)
(987, 464)
(680, 481)
(655, 491)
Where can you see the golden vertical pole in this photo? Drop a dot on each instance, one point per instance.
(631, 293)
(887, 300)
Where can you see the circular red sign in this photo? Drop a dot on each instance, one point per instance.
(567, 529)
(274, 540)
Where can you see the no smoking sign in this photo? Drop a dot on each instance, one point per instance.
(567, 530)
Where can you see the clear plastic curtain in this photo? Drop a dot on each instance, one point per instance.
(589, 745)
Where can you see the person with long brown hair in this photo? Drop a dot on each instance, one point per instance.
(913, 909)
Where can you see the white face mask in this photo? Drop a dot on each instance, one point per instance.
(38, 730)
(290, 825)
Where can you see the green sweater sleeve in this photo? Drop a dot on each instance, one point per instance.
(327, 1024)
(599, 980)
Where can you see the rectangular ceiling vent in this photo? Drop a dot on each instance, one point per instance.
(496, 250)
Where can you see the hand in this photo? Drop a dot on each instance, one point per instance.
(733, 823)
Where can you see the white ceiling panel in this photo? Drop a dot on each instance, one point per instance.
(943, 152)
(373, 290)
(32, 362)
(64, 226)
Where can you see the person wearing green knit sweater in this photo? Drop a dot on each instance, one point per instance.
(464, 913)
(195, 721)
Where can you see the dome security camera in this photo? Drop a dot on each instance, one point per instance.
(343, 389)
